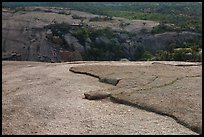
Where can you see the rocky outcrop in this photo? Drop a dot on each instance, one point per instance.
(29, 36)
(74, 43)
(161, 41)
(172, 89)
(100, 41)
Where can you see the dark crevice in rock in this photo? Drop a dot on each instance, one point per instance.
(113, 99)
(156, 77)
(187, 65)
(98, 95)
(111, 81)
(80, 72)
(149, 109)
(181, 65)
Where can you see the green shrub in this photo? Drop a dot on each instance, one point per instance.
(163, 55)
(139, 52)
(147, 56)
(161, 28)
(17, 9)
(78, 17)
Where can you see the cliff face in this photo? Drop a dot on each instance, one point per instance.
(25, 35)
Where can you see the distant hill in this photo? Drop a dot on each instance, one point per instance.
(56, 34)
(16, 4)
(184, 15)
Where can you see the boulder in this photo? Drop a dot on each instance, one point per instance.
(189, 56)
(94, 95)
(111, 81)
(124, 59)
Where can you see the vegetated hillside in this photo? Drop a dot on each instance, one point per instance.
(63, 34)
(184, 15)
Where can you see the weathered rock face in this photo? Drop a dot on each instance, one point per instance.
(29, 44)
(41, 98)
(25, 36)
(129, 50)
(170, 88)
(73, 42)
(102, 41)
(70, 56)
(161, 41)
(70, 39)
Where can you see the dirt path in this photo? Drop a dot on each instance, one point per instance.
(44, 98)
